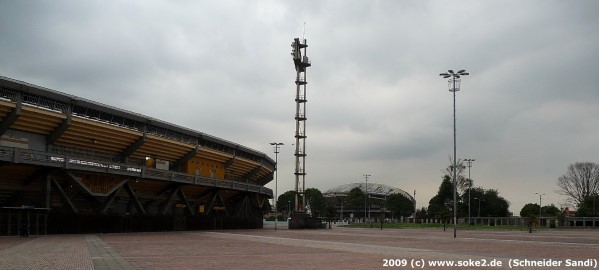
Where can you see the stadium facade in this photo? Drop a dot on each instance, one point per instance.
(71, 165)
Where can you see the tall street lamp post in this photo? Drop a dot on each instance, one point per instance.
(414, 206)
(366, 194)
(341, 215)
(540, 206)
(276, 146)
(479, 199)
(594, 197)
(469, 162)
(455, 77)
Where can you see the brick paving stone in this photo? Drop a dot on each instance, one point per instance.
(9, 241)
(103, 256)
(47, 252)
(339, 248)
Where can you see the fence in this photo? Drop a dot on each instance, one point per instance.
(570, 222)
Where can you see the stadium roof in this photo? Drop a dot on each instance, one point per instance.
(65, 124)
(373, 188)
(120, 117)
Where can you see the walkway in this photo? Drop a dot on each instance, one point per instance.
(339, 248)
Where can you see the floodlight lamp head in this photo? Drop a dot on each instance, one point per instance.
(450, 71)
(461, 71)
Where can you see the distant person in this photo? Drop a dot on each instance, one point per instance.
(24, 231)
(530, 224)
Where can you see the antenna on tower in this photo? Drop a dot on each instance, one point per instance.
(304, 36)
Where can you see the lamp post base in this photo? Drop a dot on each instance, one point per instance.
(301, 220)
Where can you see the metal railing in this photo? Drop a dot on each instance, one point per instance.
(7, 94)
(44, 102)
(25, 156)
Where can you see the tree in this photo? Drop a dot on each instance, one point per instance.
(399, 205)
(530, 210)
(462, 181)
(331, 212)
(441, 205)
(316, 202)
(580, 181)
(421, 213)
(589, 207)
(476, 200)
(286, 201)
(266, 207)
(495, 205)
(355, 199)
(485, 203)
(550, 210)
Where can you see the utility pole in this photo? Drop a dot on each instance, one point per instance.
(415, 206)
(540, 206)
(366, 194)
(469, 162)
(276, 146)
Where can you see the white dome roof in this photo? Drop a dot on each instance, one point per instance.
(373, 188)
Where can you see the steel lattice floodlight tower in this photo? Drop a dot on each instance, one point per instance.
(454, 86)
(301, 62)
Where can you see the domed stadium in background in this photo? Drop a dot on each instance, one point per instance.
(377, 192)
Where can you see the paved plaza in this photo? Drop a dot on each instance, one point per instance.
(337, 248)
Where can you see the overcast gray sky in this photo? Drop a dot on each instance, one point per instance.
(376, 104)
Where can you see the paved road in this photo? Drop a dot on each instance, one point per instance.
(339, 248)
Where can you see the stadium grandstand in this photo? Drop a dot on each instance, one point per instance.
(71, 165)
